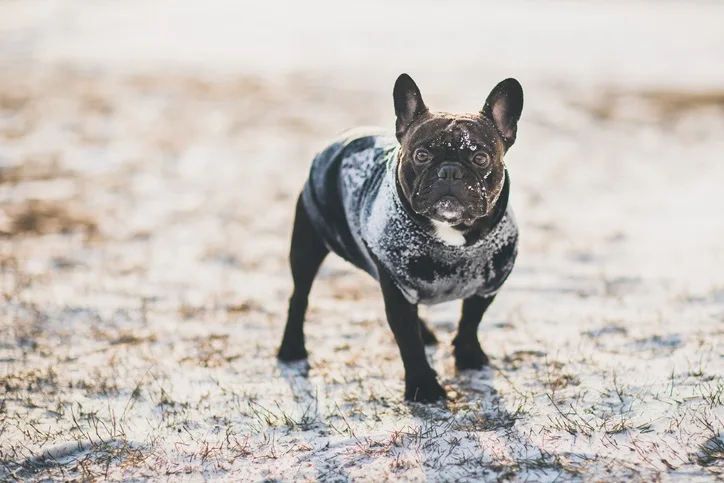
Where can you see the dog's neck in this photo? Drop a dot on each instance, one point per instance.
(461, 234)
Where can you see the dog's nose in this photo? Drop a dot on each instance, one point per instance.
(450, 172)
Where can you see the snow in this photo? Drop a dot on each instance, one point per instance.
(145, 297)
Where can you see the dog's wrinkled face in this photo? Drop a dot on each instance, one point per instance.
(451, 166)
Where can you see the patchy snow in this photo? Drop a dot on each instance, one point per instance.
(146, 204)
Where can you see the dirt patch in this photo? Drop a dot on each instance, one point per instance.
(44, 168)
(673, 103)
(37, 217)
(659, 106)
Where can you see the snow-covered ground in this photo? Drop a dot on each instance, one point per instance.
(150, 157)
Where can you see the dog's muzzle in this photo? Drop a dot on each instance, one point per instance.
(450, 193)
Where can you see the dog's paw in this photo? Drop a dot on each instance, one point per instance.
(291, 352)
(428, 338)
(470, 356)
(427, 390)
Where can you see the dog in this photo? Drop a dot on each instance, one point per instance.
(425, 212)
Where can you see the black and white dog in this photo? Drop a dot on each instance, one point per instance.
(424, 212)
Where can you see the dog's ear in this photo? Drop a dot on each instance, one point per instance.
(408, 103)
(503, 107)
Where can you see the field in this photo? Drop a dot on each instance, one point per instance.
(147, 188)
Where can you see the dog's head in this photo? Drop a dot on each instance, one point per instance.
(451, 168)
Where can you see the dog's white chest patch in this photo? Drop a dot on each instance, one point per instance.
(448, 234)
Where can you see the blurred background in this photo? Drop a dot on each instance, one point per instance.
(213, 110)
(151, 153)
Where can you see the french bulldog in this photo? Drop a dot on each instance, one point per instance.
(425, 212)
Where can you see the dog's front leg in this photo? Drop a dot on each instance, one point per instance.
(420, 379)
(468, 353)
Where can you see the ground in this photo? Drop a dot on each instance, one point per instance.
(145, 215)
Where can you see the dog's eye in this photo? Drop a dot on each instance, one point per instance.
(481, 159)
(422, 155)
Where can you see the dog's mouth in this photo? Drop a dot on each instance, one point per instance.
(456, 203)
(450, 210)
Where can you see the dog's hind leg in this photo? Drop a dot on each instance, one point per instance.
(306, 255)
(428, 337)
(468, 353)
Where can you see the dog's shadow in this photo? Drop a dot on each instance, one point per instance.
(306, 417)
(474, 431)
(296, 375)
(443, 438)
